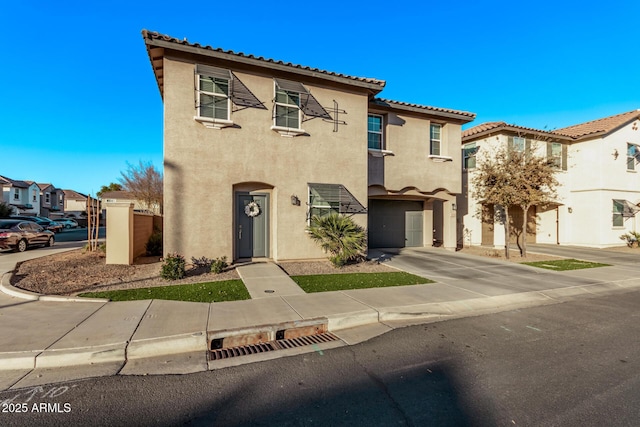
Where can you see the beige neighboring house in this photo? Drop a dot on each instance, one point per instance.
(122, 197)
(254, 147)
(75, 204)
(22, 196)
(598, 171)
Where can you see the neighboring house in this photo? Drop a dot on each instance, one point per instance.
(123, 197)
(75, 204)
(23, 196)
(254, 147)
(51, 200)
(599, 190)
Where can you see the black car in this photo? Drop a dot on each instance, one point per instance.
(45, 223)
(20, 235)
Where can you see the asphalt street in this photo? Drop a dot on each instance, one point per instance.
(570, 364)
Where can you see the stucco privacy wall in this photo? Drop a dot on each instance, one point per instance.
(203, 165)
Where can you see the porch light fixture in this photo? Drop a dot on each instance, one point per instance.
(570, 210)
(295, 201)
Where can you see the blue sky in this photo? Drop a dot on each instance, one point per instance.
(78, 99)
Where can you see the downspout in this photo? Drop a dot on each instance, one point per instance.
(557, 225)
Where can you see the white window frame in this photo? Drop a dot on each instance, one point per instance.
(616, 215)
(47, 197)
(326, 207)
(288, 94)
(555, 160)
(381, 132)
(466, 157)
(213, 122)
(35, 196)
(631, 159)
(432, 140)
(16, 194)
(515, 147)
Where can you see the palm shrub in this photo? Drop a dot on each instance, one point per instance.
(339, 236)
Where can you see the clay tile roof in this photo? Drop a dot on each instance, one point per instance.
(425, 108)
(150, 37)
(600, 126)
(490, 127)
(483, 127)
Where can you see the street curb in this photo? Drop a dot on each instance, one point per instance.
(9, 289)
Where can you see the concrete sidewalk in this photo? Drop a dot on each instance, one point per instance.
(47, 339)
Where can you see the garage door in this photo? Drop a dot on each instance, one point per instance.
(395, 223)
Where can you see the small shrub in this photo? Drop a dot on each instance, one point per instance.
(173, 267)
(219, 264)
(154, 244)
(493, 253)
(632, 238)
(5, 210)
(203, 262)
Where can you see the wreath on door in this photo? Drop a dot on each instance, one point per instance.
(252, 210)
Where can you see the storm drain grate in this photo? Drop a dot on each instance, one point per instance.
(226, 353)
(283, 344)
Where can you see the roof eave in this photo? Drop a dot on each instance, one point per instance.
(507, 128)
(150, 43)
(461, 117)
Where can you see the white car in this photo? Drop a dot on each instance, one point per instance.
(66, 222)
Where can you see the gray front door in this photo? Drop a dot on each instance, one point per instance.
(413, 228)
(252, 234)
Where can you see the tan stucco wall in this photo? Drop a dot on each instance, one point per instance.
(119, 233)
(202, 166)
(408, 138)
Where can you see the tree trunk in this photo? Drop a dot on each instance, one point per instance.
(525, 211)
(507, 231)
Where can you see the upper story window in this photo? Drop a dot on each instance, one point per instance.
(47, 197)
(435, 139)
(518, 145)
(633, 155)
(557, 155)
(469, 152)
(374, 132)
(35, 195)
(16, 194)
(287, 109)
(213, 97)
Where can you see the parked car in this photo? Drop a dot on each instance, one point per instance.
(45, 223)
(67, 222)
(20, 235)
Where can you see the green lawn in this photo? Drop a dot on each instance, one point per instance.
(565, 264)
(225, 290)
(339, 282)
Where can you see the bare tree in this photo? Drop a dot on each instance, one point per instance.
(144, 182)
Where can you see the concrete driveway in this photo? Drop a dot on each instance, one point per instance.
(605, 256)
(492, 277)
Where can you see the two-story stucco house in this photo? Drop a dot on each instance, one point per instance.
(22, 196)
(51, 200)
(254, 147)
(599, 189)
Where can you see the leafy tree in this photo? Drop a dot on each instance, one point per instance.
(509, 179)
(340, 236)
(114, 186)
(144, 182)
(5, 210)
